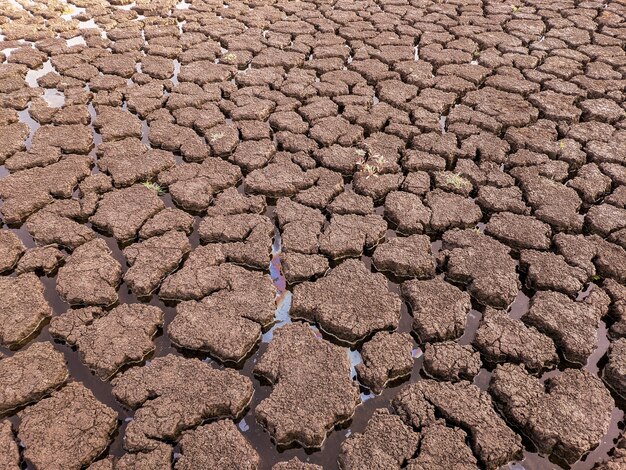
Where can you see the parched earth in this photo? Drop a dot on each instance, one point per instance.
(312, 234)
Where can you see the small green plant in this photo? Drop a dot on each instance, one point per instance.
(456, 180)
(370, 170)
(379, 159)
(515, 8)
(596, 277)
(230, 57)
(154, 187)
(216, 136)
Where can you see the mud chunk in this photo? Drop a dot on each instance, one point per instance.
(129, 161)
(168, 219)
(386, 443)
(280, 178)
(11, 248)
(218, 446)
(519, 231)
(547, 271)
(122, 212)
(44, 259)
(407, 212)
(349, 303)
(12, 138)
(348, 202)
(348, 235)
(230, 201)
(439, 309)
(501, 338)
(601, 110)
(482, 263)
(451, 210)
(617, 310)
(465, 405)
(227, 324)
(30, 375)
(74, 138)
(204, 272)
(566, 416)
(168, 403)
(571, 325)
(175, 138)
(26, 191)
(617, 197)
(443, 447)
(109, 340)
(253, 154)
(90, 275)
(508, 108)
(68, 430)
(9, 451)
(192, 185)
(406, 257)
(386, 357)
(552, 202)
(577, 251)
(224, 138)
(328, 184)
(337, 158)
(98, 183)
(117, 124)
(205, 71)
(157, 67)
(555, 106)
(416, 182)
(509, 199)
(450, 361)
(311, 378)
(159, 457)
(47, 227)
(153, 259)
(23, 308)
(33, 157)
(591, 183)
(453, 182)
(610, 259)
(605, 218)
(295, 464)
(335, 130)
(614, 373)
(300, 225)
(376, 187)
(298, 267)
(116, 64)
(246, 238)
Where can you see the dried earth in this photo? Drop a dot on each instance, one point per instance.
(316, 234)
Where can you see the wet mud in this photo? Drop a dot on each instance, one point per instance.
(374, 234)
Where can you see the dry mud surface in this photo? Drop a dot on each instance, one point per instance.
(312, 234)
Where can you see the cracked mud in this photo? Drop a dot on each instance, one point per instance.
(315, 234)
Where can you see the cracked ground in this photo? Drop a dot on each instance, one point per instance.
(295, 235)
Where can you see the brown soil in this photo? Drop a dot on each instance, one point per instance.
(297, 235)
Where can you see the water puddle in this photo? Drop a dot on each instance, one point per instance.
(33, 75)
